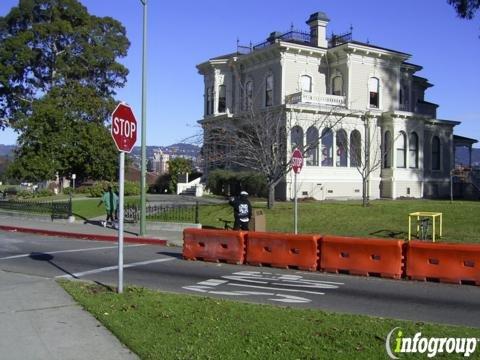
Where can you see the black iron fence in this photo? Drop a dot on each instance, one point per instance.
(55, 209)
(181, 213)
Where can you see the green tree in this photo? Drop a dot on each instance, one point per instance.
(466, 9)
(177, 167)
(58, 75)
(59, 138)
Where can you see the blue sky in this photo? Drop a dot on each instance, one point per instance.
(182, 34)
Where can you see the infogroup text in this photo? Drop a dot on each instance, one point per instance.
(431, 346)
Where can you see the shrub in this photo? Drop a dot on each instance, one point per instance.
(43, 193)
(83, 189)
(68, 191)
(27, 194)
(162, 185)
(131, 188)
(24, 194)
(97, 189)
(226, 182)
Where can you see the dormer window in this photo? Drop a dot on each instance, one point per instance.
(337, 86)
(306, 82)
(269, 90)
(222, 99)
(373, 89)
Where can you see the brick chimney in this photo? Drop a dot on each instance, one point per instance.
(318, 29)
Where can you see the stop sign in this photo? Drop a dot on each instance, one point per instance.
(297, 161)
(124, 127)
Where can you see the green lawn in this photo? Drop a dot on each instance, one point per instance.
(158, 325)
(88, 208)
(383, 218)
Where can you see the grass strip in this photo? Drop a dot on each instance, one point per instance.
(158, 325)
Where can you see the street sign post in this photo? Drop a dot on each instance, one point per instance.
(124, 134)
(297, 164)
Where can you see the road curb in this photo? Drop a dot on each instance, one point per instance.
(128, 239)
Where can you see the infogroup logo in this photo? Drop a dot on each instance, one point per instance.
(431, 346)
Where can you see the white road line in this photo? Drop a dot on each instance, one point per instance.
(278, 289)
(110, 268)
(212, 282)
(308, 285)
(66, 251)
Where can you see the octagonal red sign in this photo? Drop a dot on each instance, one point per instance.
(297, 161)
(124, 127)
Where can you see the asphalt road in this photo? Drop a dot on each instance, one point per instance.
(162, 268)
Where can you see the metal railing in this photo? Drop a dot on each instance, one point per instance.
(55, 209)
(180, 213)
(335, 40)
(289, 36)
(325, 99)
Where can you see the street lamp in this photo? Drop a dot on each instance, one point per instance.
(144, 123)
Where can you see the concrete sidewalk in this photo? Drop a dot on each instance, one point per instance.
(41, 321)
(90, 229)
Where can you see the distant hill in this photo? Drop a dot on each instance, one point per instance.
(6, 150)
(175, 149)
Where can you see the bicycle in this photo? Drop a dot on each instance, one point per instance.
(226, 224)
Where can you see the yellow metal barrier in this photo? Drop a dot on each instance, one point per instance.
(425, 214)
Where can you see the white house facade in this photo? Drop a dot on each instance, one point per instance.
(346, 103)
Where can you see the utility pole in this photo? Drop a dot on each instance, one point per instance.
(144, 124)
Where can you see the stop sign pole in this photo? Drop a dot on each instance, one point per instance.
(297, 164)
(124, 134)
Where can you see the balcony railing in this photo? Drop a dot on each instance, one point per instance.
(303, 97)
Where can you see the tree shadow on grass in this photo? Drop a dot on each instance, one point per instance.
(393, 234)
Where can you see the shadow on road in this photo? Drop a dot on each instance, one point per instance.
(48, 258)
(171, 254)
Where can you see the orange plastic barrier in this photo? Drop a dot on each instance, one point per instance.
(362, 256)
(282, 250)
(452, 263)
(214, 245)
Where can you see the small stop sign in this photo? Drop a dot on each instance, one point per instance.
(297, 161)
(124, 127)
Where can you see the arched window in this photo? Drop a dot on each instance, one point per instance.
(401, 150)
(327, 147)
(306, 82)
(269, 90)
(373, 89)
(413, 151)
(337, 85)
(435, 153)
(342, 146)
(249, 95)
(387, 149)
(209, 101)
(222, 99)
(355, 149)
(312, 145)
(296, 137)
